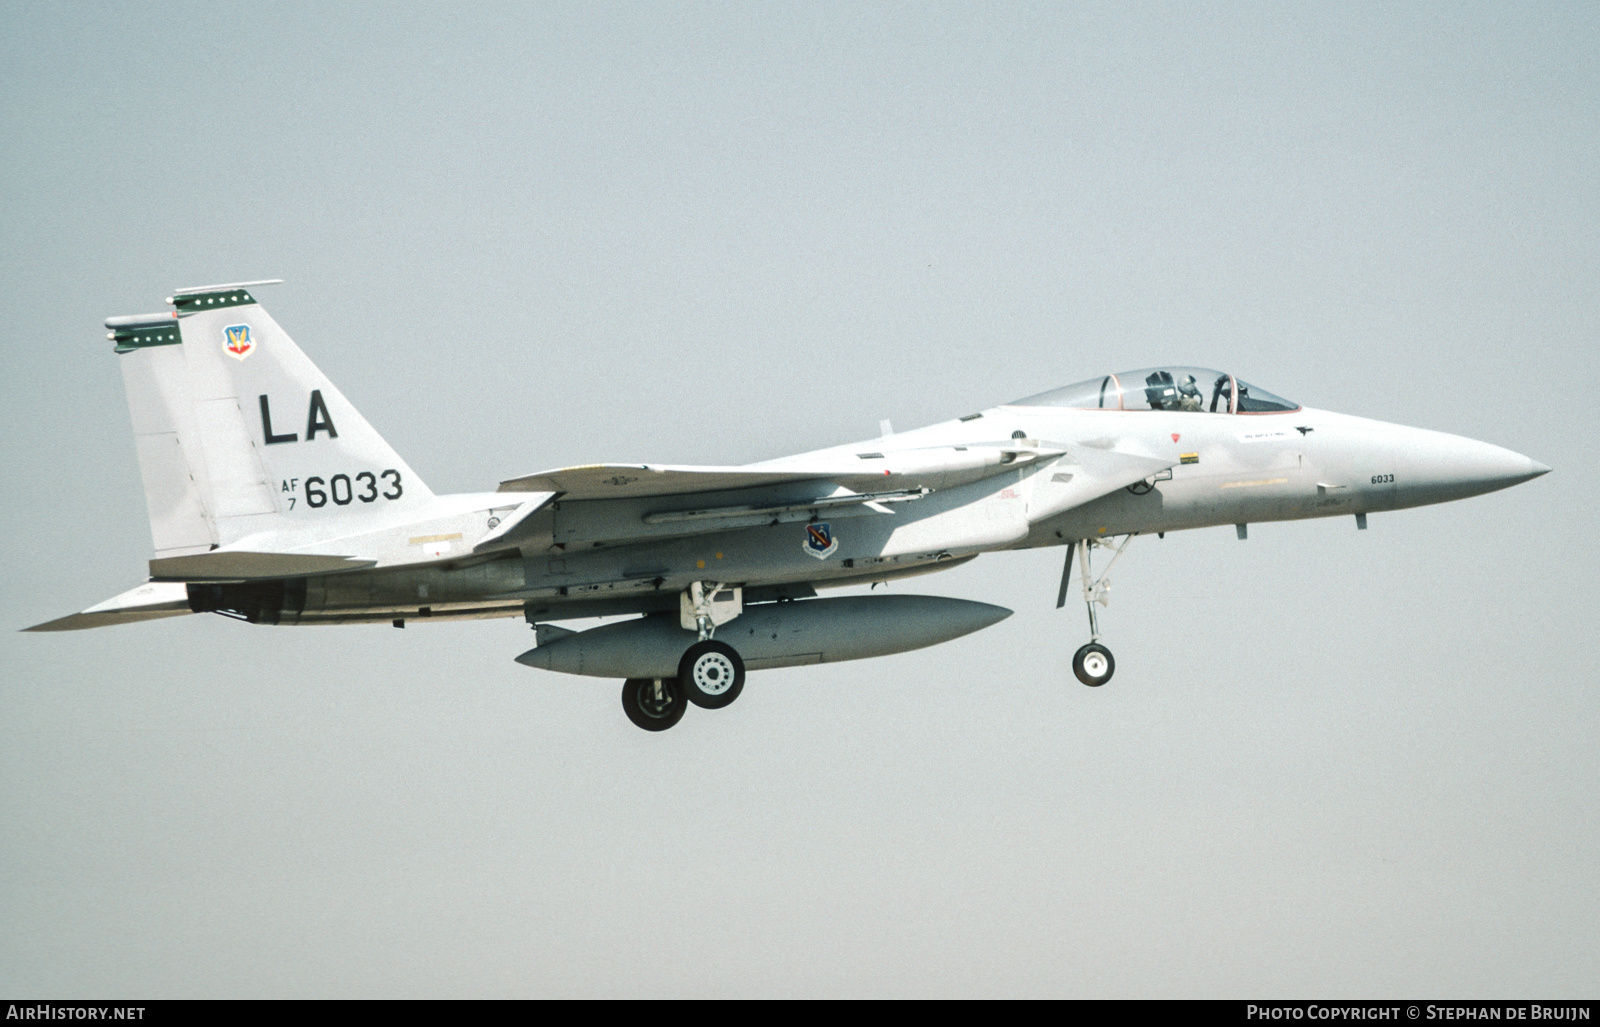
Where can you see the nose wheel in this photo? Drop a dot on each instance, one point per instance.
(1093, 664)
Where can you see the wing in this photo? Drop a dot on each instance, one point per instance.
(653, 501)
(633, 481)
(932, 467)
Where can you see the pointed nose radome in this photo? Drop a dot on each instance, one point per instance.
(1442, 467)
(1504, 468)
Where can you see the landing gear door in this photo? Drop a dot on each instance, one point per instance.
(725, 603)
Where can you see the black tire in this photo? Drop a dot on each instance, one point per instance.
(640, 703)
(711, 673)
(1093, 664)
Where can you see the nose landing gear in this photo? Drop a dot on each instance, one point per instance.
(1093, 664)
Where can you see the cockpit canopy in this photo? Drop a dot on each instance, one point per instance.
(1193, 389)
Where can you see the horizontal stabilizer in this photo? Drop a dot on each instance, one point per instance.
(150, 601)
(224, 565)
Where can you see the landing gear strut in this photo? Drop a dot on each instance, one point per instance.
(710, 674)
(1093, 664)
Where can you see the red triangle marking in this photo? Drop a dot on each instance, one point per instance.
(1174, 436)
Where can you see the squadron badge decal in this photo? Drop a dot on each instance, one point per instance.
(237, 341)
(819, 541)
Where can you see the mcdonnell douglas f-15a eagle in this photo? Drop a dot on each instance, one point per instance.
(273, 501)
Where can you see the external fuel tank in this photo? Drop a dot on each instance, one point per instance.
(782, 634)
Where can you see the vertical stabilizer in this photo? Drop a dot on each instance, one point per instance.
(154, 373)
(238, 432)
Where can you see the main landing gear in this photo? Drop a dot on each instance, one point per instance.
(710, 674)
(654, 704)
(1093, 664)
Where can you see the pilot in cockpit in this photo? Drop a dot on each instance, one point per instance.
(1162, 392)
(1189, 395)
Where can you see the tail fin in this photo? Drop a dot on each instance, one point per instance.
(238, 432)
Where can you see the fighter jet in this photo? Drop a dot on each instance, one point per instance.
(273, 501)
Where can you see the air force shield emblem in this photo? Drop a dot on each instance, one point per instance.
(819, 541)
(237, 341)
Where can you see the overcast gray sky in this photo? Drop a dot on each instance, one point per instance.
(1331, 763)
